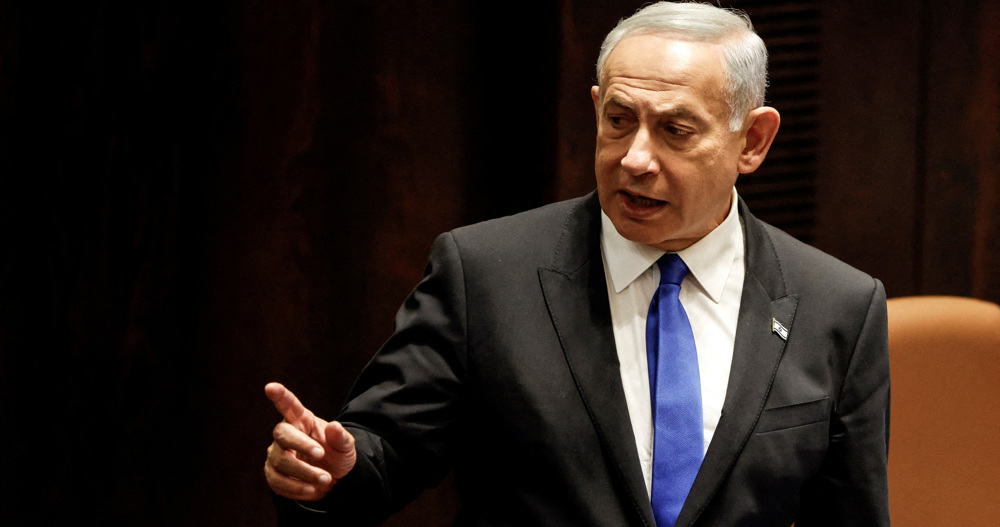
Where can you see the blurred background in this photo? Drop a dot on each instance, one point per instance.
(199, 197)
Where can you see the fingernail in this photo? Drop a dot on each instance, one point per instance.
(316, 453)
(324, 479)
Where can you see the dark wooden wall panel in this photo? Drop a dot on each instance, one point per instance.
(869, 123)
(783, 190)
(583, 26)
(910, 144)
(962, 137)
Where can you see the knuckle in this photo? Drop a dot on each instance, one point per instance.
(282, 434)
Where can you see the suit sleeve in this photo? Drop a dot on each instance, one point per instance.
(405, 408)
(851, 489)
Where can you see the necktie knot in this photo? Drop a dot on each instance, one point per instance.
(672, 269)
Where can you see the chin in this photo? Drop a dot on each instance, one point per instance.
(640, 234)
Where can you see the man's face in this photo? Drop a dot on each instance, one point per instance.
(666, 161)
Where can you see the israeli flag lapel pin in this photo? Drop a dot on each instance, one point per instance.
(779, 329)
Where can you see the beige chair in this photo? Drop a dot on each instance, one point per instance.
(944, 450)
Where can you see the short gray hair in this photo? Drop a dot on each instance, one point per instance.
(744, 53)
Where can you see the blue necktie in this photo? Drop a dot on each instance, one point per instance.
(675, 390)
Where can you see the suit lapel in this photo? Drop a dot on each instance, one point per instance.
(576, 295)
(756, 355)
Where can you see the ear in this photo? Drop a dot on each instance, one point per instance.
(760, 128)
(595, 94)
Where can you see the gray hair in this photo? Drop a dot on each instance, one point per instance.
(744, 53)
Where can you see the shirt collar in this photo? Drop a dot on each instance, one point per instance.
(709, 259)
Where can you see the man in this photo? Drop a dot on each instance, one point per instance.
(524, 358)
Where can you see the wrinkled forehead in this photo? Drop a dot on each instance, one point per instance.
(658, 59)
(665, 35)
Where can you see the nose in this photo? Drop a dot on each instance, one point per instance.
(641, 156)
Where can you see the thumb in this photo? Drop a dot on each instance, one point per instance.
(340, 450)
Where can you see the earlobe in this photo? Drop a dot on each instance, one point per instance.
(764, 123)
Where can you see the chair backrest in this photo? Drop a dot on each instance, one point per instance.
(944, 447)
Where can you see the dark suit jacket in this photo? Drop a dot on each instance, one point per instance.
(503, 367)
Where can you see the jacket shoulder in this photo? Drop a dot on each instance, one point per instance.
(533, 235)
(817, 277)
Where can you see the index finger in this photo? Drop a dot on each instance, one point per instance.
(285, 401)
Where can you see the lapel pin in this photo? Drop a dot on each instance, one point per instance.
(778, 329)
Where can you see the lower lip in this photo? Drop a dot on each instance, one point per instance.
(639, 208)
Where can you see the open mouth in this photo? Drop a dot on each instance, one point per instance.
(641, 201)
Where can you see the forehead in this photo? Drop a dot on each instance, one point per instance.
(662, 64)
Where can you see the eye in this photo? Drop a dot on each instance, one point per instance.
(618, 120)
(679, 132)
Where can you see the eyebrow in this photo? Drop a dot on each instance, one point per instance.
(678, 111)
(682, 111)
(613, 100)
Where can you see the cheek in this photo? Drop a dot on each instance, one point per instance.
(727, 158)
(719, 168)
(605, 170)
(606, 157)
(701, 181)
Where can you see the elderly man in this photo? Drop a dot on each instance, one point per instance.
(651, 354)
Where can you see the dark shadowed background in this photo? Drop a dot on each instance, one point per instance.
(200, 197)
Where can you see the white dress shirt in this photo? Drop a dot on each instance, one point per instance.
(710, 295)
